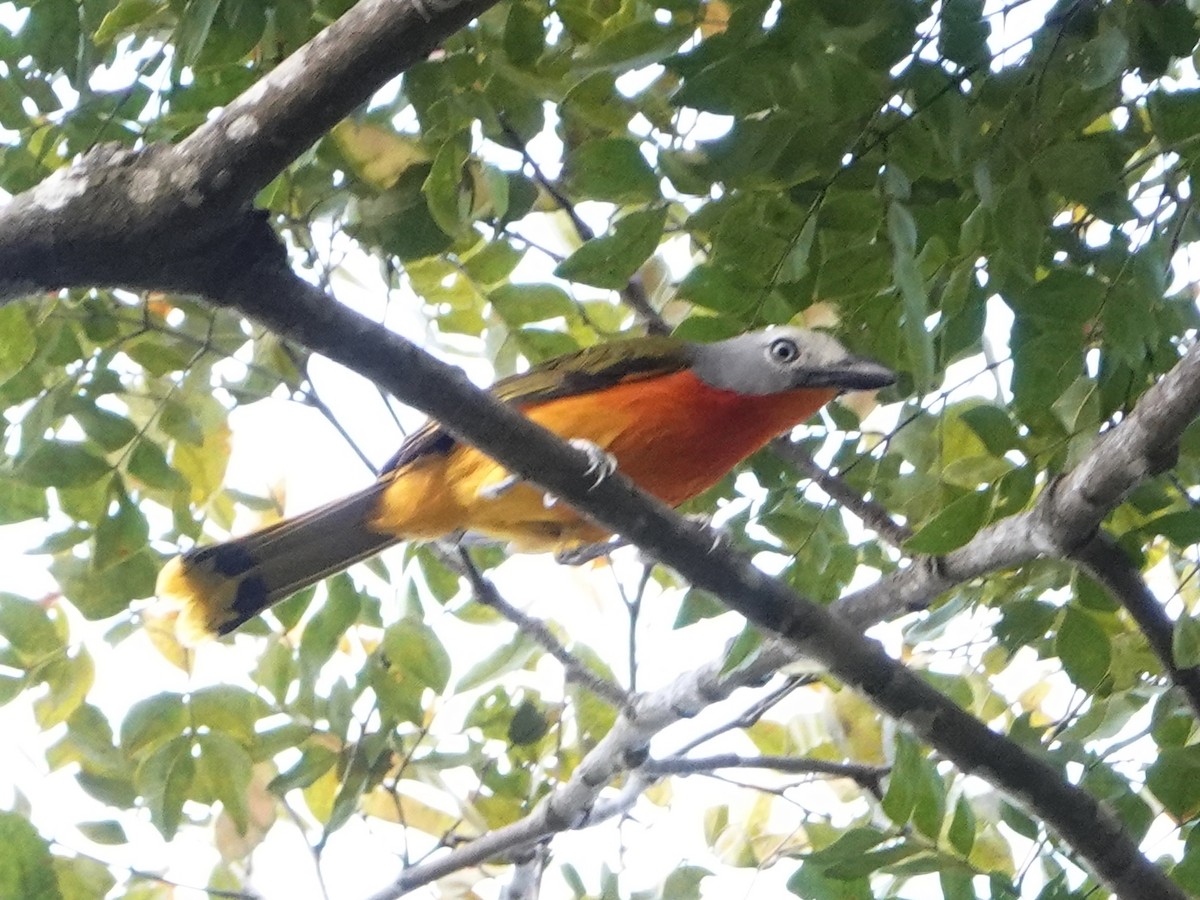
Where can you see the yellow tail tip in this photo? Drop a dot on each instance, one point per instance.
(204, 598)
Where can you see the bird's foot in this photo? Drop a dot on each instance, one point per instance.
(721, 538)
(577, 556)
(601, 463)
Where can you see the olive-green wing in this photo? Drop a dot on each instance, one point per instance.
(591, 369)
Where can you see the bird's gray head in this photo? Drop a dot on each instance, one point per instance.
(786, 358)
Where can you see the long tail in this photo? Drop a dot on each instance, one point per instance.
(222, 586)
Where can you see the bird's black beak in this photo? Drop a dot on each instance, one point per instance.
(854, 373)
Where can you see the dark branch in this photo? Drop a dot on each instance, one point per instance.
(868, 777)
(1108, 563)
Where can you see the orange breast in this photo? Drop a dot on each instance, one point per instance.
(674, 435)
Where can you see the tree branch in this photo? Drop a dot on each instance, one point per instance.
(238, 153)
(1065, 516)
(1107, 562)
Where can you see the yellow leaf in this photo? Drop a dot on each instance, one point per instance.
(716, 18)
(409, 811)
(378, 155)
(319, 795)
(159, 622)
(991, 853)
(861, 736)
(204, 466)
(262, 810)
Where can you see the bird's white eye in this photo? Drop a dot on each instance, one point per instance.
(783, 350)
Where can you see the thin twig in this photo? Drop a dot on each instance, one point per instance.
(751, 715)
(486, 593)
(634, 292)
(868, 777)
(872, 513)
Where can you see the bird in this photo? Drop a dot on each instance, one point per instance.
(674, 416)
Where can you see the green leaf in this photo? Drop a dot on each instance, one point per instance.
(122, 18)
(744, 648)
(26, 868)
(412, 650)
(1174, 778)
(1176, 117)
(962, 827)
(1103, 58)
(315, 760)
(194, 25)
(528, 725)
(953, 525)
(81, 878)
(1066, 298)
(1185, 642)
(17, 341)
(1078, 407)
(223, 770)
(108, 429)
(641, 43)
(148, 464)
(994, 427)
(60, 464)
(1181, 528)
(20, 502)
(119, 535)
(964, 34)
(611, 169)
(524, 34)
(164, 780)
(69, 679)
(27, 627)
(520, 304)
(508, 657)
(109, 831)
(228, 709)
(597, 101)
(151, 723)
(1084, 648)
(684, 883)
(325, 629)
(698, 605)
(377, 154)
(494, 262)
(811, 883)
(610, 261)
(448, 202)
(796, 264)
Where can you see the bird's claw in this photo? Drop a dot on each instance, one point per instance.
(500, 488)
(720, 537)
(601, 463)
